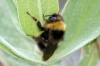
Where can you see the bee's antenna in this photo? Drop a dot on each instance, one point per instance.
(59, 12)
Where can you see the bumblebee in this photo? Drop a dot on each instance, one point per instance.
(53, 32)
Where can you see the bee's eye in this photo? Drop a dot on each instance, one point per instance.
(53, 19)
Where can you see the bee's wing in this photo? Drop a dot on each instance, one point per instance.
(49, 52)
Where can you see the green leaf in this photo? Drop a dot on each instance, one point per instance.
(9, 60)
(85, 55)
(36, 8)
(91, 56)
(15, 2)
(93, 59)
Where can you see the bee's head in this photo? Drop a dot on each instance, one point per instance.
(54, 18)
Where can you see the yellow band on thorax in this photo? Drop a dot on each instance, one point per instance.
(56, 25)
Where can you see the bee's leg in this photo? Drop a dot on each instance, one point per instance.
(59, 12)
(32, 36)
(38, 22)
